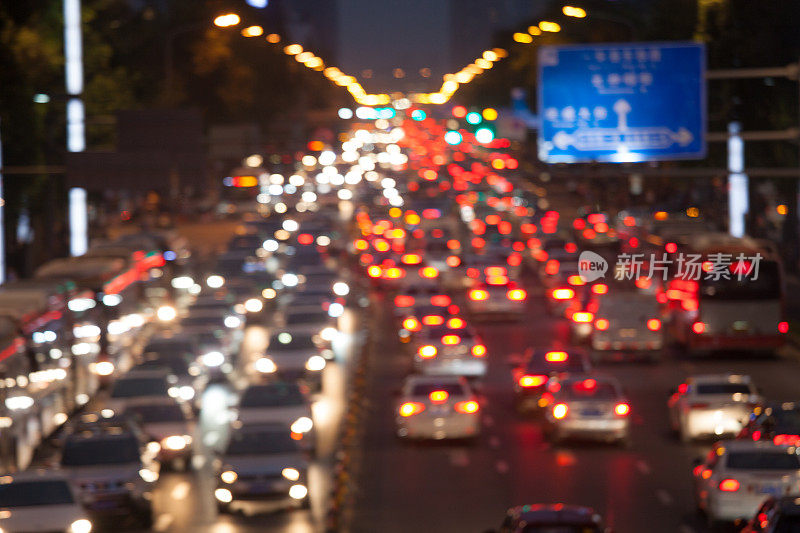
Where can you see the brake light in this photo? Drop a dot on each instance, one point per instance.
(560, 410)
(654, 324)
(570, 247)
(361, 244)
(562, 294)
(556, 357)
(601, 324)
(468, 407)
(479, 350)
(729, 485)
(579, 224)
(410, 409)
(622, 409)
(394, 273)
(411, 259)
(440, 300)
(671, 247)
(478, 295)
(575, 280)
(690, 304)
(495, 271)
(433, 320)
(497, 280)
(403, 300)
(787, 440)
(438, 396)
(600, 288)
(374, 271)
(453, 261)
(428, 272)
(698, 406)
(411, 324)
(305, 238)
(551, 267)
(427, 351)
(451, 339)
(514, 259)
(698, 327)
(643, 283)
(453, 244)
(783, 327)
(516, 294)
(473, 272)
(582, 317)
(456, 323)
(589, 384)
(478, 242)
(529, 381)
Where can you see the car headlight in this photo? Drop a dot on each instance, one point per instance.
(229, 476)
(298, 492)
(291, 474)
(302, 425)
(328, 333)
(176, 442)
(186, 392)
(341, 288)
(223, 495)
(80, 526)
(150, 476)
(265, 365)
(153, 447)
(215, 282)
(166, 313)
(103, 368)
(182, 282)
(213, 359)
(253, 305)
(232, 322)
(315, 363)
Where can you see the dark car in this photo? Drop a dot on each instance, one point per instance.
(776, 515)
(531, 377)
(552, 518)
(779, 423)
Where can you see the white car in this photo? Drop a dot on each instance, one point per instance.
(290, 354)
(170, 425)
(712, 405)
(40, 500)
(738, 475)
(262, 465)
(141, 386)
(588, 407)
(627, 322)
(278, 402)
(437, 407)
(497, 297)
(452, 349)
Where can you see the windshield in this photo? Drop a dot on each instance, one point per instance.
(32, 493)
(766, 285)
(176, 365)
(289, 341)
(170, 347)
(132, 387)
(757, 460)
(723, 388)
(261, 442)
(100, 451)
(149, 414)
(276, 395)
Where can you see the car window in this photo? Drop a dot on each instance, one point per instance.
(289, 341)
(100, 451)
(32, 493)
(150, 414)
(132, 387)
(757, 460)
(276, 395)
(722, 388)
(258, 442)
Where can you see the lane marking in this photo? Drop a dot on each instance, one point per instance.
(642, 466)
(664, 497)
(163, 522)
(181, 490)
(502, 467)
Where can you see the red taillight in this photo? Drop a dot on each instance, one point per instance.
(410, 409)
(551, 267)
(529, 381)
(479, 350)
(433, 320)
(671, 247)
(427, 351)
(622, 409)
(654, 324)
(582, 317)
(556, 357)
(456, 323)
(428, 272)
(698, 406)
(600, 288)
(516, 294)
(575, 280)
(438, 396)
(473, 272)
(394, 273)
(783, 327)
(374, 271)
(478, 295)
(453, 261)
(514, 259)
(411, 259)
(601, 324)
(451, 339)
(689, 304)
(361, 244)
(411, 324)
(698, 327)
(453, 244)
(562, 294)
(786, 440)
(560, 411)
(403, 300)
(729, 485)
(305, 238)
(468, 407)
(495, 271)
(440, 300)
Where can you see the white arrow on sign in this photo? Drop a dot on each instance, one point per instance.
(622, 108)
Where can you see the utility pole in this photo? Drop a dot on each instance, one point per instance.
(76, 134)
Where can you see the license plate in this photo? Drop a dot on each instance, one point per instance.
(627, 333)
(771, 490)
(591, 412)
(740, 325)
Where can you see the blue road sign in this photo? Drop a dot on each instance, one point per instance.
(622, 102)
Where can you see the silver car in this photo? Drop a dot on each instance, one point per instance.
(437, 408)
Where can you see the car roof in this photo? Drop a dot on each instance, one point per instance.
(555, 514)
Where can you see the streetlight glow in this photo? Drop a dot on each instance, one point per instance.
(572, 11)
(552, 27)
(253, 31)
(227, 20)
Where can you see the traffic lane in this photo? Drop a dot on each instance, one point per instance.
(184, 501)
(646, 487)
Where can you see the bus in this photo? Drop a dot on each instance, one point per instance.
(733, 304)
